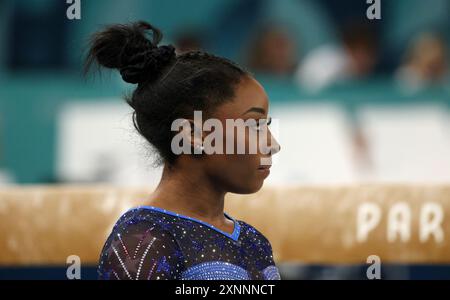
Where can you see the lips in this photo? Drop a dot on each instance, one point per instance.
(264, 170)
(264, 167)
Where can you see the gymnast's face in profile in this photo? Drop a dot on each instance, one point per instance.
(242, 173)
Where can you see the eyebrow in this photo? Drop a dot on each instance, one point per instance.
(256, 109)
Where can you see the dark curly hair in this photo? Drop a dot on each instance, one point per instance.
(169, 86)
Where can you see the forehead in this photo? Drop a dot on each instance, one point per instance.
(249, 93)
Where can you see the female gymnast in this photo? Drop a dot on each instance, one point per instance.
(182, 231)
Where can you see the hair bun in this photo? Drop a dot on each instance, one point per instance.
(147, 65)
(127, 48)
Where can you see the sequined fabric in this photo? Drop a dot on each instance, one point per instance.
(152, 243)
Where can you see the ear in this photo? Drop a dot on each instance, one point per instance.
(196, 135)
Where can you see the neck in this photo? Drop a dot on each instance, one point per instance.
(189, 191)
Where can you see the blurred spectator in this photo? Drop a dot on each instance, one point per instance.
(273, 52)
(356, 58)
(188, 41)
(361, 46)
(425, 63)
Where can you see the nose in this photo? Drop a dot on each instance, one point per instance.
(274, 145)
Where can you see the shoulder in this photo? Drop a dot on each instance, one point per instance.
(139, 247)
(250, 232)
(136, 216)
(139, 225)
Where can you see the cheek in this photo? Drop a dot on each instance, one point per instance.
(239, 162)
(236, 173)
(241, 140)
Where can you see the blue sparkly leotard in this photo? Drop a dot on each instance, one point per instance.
(152, 243)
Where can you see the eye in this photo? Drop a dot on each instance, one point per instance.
(262, 123)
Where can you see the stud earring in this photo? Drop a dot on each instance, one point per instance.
(199, 149)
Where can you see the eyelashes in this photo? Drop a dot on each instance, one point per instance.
(263, 122)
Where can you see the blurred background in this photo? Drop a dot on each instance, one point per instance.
(357, 101)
